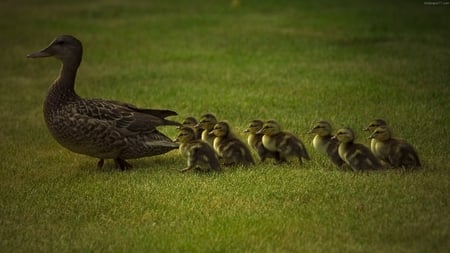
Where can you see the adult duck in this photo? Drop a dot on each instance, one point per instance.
(99, 128)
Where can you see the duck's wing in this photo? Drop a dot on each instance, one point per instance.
(125, 117)
(161, 113)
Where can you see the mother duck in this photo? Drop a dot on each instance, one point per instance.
(99, 128)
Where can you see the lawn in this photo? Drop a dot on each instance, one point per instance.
(294, 61)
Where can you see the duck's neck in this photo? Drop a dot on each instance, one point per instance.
(62, 89)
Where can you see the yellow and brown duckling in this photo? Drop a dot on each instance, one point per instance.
(371, 127)
(207, 123)
(356, 155)
(200, 156)
(324, 143)
(100, 128)
(287, 144)
(230, 148)
(192, 122)
(394, 151)
(254, 140)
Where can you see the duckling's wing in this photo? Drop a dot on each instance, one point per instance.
(333, 154)
(363, 159)
(201, 153)
(297, 144)
(126, 118)
(404, 155)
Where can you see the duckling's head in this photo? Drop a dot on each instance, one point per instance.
(189, 121)
(374, 124)
(270, 127)
(382, 133)
(321, 128)
(64, 47)
(254, 126)
(186, 134)
(221, 129)
(207, 121)
(345, 135)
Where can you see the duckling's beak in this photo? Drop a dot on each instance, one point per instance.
(211, 133)
(260, 131)
(197, 125)
(370, 136)
(176, 140)
(334, 137)
(246, 130)
(366, 129)
(43, 53)
(310, 131)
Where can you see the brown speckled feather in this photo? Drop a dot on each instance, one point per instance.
(105, 129)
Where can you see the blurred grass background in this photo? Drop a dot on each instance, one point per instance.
(295, 61)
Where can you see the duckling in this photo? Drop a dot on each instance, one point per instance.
(207, 122)
(199, 154)
(371, 127)
(356, 155)
(99, 128)
(255, 141)
(192, 122)
(276, 140)
(231, 149)
(324, 143)
(394, 151)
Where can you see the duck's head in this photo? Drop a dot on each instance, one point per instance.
(374, 124)
(381, 133)
(254, 126)
(270, 127)
(221, 129)
(64, 47)
(321, 128)
(186, 134)
(345, 135)
(207, 121)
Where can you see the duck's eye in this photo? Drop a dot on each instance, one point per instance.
(60, 42)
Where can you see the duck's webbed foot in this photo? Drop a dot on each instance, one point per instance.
(100, 163)
(122, 164)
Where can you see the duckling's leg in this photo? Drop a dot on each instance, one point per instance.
(279, 159)
(186, 169)
(100, 163)
(122, 164)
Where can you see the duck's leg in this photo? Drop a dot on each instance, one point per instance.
(122, 164)
(100, 163)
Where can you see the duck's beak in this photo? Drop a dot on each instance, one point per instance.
(176, 140)
(370, 136)
(246, 130)
(334, 137)
(42, 53)
(259, 131)
(211, 133)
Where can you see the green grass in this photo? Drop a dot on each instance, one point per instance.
(294, 61)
